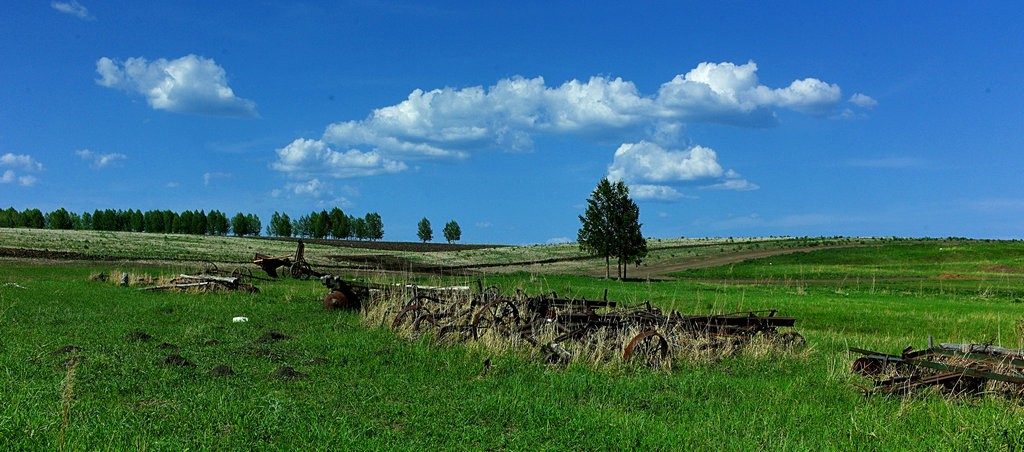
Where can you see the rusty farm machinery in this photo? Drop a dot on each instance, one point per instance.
(641, 333)
(957, 368)
(296, 264)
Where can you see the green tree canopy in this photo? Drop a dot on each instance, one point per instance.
(452, 232)
(423, 230)
(610, 227)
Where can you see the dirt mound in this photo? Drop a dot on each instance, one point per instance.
(66, 349)
(74, 359)
(138, 336)
(273, 336)
(316, 361)
(287, 373)
(222, 371)
(166, 346)
(211, 343)
(177, 360)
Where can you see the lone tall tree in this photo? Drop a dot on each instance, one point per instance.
(423, 230)
(610, 227)
(452, 232)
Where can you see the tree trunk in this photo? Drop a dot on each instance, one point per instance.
(607, 267)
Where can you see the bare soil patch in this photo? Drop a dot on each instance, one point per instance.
(272, 336)
(177, 360)
(222, 371)
(66, 349)
(288, 373)
(138, 336)
(1002, 269)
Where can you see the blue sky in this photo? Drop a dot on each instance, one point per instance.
(724, 118)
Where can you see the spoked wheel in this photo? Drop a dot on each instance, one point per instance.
(414, 317)
(499, 317)
(241, 272)
(301, 270)
(648, 347)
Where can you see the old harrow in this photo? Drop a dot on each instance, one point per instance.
(642, 332)
(296, 263)
(958, 368)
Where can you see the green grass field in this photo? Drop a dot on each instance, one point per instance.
(365, 388)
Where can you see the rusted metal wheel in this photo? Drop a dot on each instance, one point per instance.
(301, 270)
(867, 367)
(499, 317)
(336, 299)
(414, 317)
(649, 347)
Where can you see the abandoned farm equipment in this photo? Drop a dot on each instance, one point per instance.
(957, 367)
(297, 265)
(641, 332)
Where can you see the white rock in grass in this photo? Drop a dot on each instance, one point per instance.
(240, 319)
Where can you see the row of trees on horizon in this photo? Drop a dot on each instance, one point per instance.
(318, 225)
(321, 225)
(133, 220)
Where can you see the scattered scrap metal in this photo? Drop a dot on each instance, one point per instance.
(641, 332)
(958, 368)
(204, 282)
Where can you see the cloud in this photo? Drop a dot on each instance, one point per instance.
(172, 185)
(207, 177)
(312, 188)
(649, 162)
(650, 170)
(188, 85)
(733, 181)
(7, 177)
(559, 240)
(316, 189)
(73, 8)
(22, 161)
(99, 161)
(863, 101)
(453, 123)
(303, 158)
(27, 181)
(484, 224)
(655, 193)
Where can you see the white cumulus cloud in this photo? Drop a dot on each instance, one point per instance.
(190, 85)
(7, 177)
(27, 181)
(453, 123)
(25, 162)
(863, 101)
(651, 170)
(73, 8)
(649, 162)
(100, 160)
(303, 157)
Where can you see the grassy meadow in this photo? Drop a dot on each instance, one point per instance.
(79, 375)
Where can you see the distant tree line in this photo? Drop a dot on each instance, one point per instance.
(321, 225)
(157, 221)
